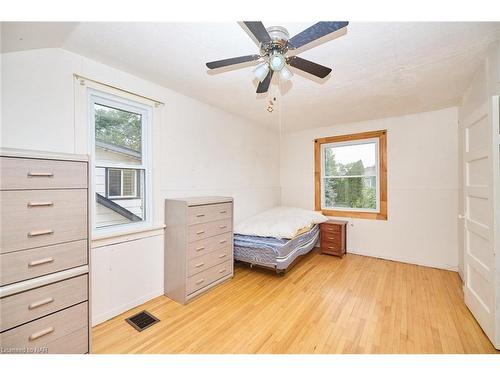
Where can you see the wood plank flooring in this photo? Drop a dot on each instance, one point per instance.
(323, 305)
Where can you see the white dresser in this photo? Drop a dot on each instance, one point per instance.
(44, 253)
(198, 245)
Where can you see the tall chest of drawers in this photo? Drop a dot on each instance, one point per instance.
(44, 253)
(198, 245)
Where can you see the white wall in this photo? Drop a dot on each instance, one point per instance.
(198, 150)
(422, 187)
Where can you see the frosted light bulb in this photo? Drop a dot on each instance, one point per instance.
(285, 73)
(277, 61)
(261, 72)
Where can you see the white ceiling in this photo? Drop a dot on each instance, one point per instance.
(379, 69)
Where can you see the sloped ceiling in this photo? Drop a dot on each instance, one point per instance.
(379, 69)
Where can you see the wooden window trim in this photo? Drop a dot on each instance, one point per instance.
(382, 136)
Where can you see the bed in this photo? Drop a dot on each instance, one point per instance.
(276, 238)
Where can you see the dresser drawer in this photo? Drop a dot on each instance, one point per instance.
(27, 264)
(205, 230)
(35, 303)
(330, 228)
(207, 245)
(20, 173)
(331, 237)
(34, 218)
(331, 246)
(204, 262)
(207, 277)
(63, 332)
(209, 212)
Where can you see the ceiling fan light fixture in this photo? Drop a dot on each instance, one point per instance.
(277, 61)
(274, 43)
(285, 74)
(261, 71)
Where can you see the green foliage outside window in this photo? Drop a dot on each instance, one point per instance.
(118, 127)
(349, 192)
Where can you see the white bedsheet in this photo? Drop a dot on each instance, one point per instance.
(279, 222)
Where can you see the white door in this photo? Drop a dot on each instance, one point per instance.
(480, 159)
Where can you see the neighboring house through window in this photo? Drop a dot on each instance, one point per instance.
(351, 175)
(120, 133)
(122, 183)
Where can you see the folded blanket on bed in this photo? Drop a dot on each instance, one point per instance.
(279, 222)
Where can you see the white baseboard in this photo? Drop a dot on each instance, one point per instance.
(102, 317)
(461, 274)
(405, 260)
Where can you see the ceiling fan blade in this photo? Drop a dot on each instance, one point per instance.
(314, 32)
(264, 85)
(232, 61)
(309, 67)
(258, 30)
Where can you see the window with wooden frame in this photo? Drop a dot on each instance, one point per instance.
(351, 175)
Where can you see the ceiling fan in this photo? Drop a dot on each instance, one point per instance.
(275, 43)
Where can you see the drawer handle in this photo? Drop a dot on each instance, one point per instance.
(40, 204)
(43, 302)
(200, 248)
(200, 215)
(40, 233)
(223, 212)
(222, 270)
(331, 248)
(40, 174)
(200, 265)
(331, 238)
(222, 241)
(200, 281)
(222, 226)
(39, 262)
(222, 256)
(200, 232)
(41, 333)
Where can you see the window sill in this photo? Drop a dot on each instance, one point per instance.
(357, 214)
(112, 238)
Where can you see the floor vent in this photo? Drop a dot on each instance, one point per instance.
(142, 320)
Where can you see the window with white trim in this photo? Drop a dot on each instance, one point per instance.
(122, 183)
(121, 146)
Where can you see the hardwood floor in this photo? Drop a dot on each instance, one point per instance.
(323, 305)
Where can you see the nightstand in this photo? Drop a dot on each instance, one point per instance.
(333, 237)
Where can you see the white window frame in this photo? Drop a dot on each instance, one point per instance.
(122, 196)
(103, 98)
(324, 146)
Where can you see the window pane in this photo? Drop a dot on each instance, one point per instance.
(122, 205)
(128, 182)
(350, 192)
(118, 135)
(114, 182)
(350, 160)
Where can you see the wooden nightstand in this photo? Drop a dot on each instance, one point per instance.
(333, 237)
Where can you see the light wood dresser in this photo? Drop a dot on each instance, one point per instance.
(44, 253)
(198, 245)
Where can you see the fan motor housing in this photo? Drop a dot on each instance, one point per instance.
(279, 36)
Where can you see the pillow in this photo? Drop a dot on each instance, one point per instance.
(279, 222)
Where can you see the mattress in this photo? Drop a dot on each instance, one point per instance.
(274, 252)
